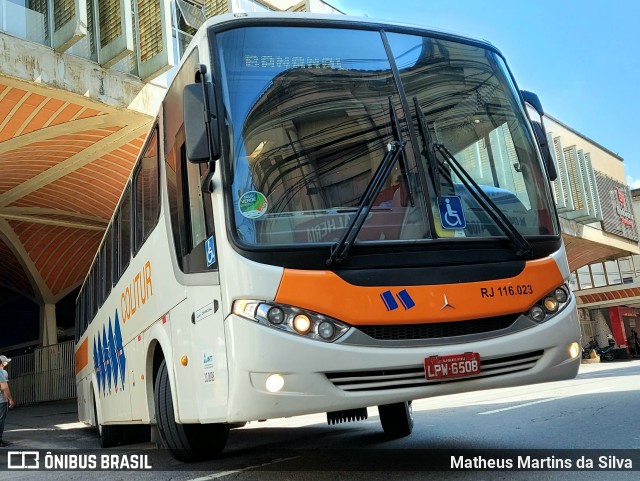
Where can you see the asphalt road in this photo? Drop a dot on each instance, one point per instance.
(596, 412)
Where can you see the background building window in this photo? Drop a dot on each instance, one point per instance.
(613, 272)
(626, 269)
(597, 275)
(584, 278)
(573, 281)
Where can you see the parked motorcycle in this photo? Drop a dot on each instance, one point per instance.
(607, 353)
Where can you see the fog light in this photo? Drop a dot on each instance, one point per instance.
(274, 383)
(574, 350)
(302, 323)
(561, 295)
(326, 330)
(537, 313)
(275, 315)
(551, 304)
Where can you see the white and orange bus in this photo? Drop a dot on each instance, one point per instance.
(328, 214)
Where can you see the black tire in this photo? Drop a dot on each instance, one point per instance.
(586, 354)
(396, 419)
(187, 442)
(609, 356)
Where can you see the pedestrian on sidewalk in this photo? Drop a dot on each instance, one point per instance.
(6, 400)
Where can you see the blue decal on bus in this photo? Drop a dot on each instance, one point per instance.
(210, 250)
(112, 357)
(96, 364)
(103, 375)
(105, 358)
(120, 351)
(389, 302)
(451, 212)
(405, 299)
(109, 360)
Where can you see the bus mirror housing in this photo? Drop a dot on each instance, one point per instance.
(200, 124)
(541, 138)
(533, 100)
(538, 129)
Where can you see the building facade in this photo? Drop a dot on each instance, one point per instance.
(144, 38)
(598, 214)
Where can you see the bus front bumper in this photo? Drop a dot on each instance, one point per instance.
(319, 377)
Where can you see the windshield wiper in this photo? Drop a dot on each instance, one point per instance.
(426, 141)
(395, 129)
(340, 250)
(521, 246)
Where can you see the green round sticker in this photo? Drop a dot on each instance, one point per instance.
(253, 204)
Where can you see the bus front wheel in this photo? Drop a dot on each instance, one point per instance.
(187, 442)
(396, 419)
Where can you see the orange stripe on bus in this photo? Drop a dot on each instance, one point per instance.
(326, 293)
(82, 356)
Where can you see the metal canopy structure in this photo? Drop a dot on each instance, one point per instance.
(64, 160)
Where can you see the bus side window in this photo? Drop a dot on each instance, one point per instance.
(108, 273)
(90, 295)
(125, 231)
(121, 253)
(100, 275)
(197, 215)
(94, 290)
(146, 192)
(115, 271)
(195, 202)
(79, 322)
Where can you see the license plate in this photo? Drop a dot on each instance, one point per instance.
(456, 365)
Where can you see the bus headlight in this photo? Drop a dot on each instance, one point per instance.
(561, 294)
(550, 304)
(291, 319)
(326, 330)
(537, 313)
(301, 324)
(574, 350)
(274, 383)
(275, 315)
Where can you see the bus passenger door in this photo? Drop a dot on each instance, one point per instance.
(199, 333)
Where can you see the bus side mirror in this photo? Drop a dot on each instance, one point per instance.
(533, 100)
(200, 125)
(538, 129)
(541, 138)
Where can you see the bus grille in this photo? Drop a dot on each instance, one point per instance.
(401, 332)
(390, 379)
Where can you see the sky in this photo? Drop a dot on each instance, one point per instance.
(582, 57)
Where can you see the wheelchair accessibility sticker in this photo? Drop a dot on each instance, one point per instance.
(451, 212)
(210, 251)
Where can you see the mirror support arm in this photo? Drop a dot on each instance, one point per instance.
(207, 183)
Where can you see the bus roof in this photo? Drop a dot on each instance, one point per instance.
(324, 19)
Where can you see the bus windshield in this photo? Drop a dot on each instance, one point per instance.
(312, 112)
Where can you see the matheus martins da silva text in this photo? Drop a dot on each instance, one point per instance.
(548, 462)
